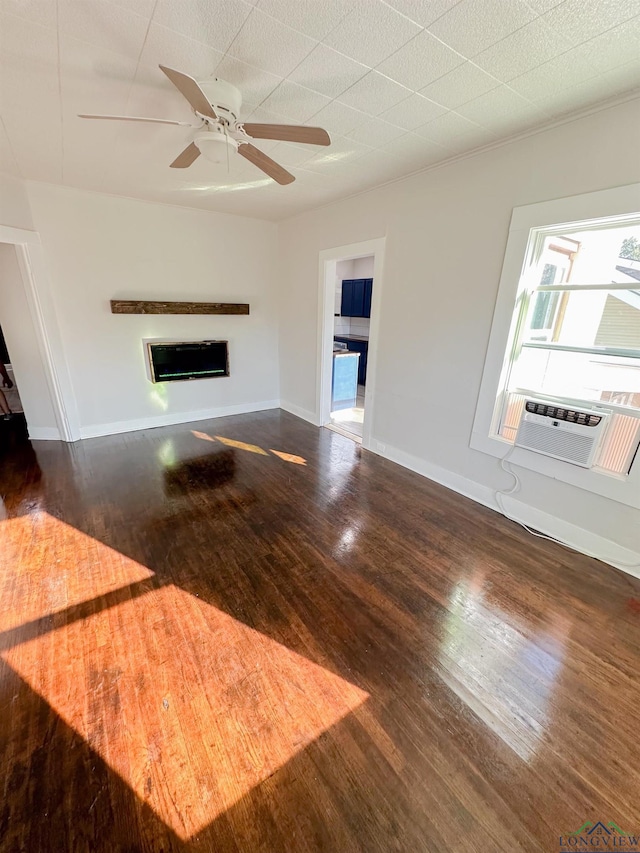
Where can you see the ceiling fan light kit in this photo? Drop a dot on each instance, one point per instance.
(221, 133)
(215, 145)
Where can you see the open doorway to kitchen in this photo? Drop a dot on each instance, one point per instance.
(351, 277)
(351, 328)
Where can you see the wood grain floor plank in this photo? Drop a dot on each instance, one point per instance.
(251, 635)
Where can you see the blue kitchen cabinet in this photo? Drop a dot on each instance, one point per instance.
(368, 293)
(346, 303)
(361, 347)
(356, 297)
(352, 303)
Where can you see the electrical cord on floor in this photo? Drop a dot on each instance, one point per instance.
(501, 493)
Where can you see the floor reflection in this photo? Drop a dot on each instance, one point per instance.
(18, 465)
(504, 677)
(204, 472)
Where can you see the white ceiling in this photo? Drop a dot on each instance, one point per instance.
(399, 85)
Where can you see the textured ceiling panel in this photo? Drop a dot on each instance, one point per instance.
(31, 107)
(295, 103)
(421, 61)
(423, 12)
(568, 69)
(213, 22)
(473, 25)
(448, 130)
(413, 112)
(374, 94)
(103, 25)
(399, 85)
(519, 52)
(338, 119)
(375, 133)
(579, 21)
(270, 45)
(329, 72)
(371, 32)
(460, 86)
(315, 18)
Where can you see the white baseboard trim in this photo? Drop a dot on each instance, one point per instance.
(43, 433)
(116, 427)
(299, 412)
(575, 537)
(456, 482)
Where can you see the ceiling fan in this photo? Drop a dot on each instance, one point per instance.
(217, 106)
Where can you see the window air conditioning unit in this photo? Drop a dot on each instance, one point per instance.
(572, 435)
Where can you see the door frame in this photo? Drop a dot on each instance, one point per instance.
(35, 283)
(328, 259)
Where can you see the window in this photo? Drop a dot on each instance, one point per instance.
(567, 330)
(578, 338)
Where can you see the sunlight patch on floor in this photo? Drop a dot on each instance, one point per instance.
(189, 706)
(202, 435)
(251, 448)
(349, 421)
(354, 414)
(289, 457)
(241, 445)
(47, 566)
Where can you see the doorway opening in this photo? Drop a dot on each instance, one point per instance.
(351, 328)
(44, 404)
(13, 426)
(351, 278)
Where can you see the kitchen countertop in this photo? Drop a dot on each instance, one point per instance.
(350, 338)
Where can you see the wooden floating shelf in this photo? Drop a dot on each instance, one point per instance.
(120, 306)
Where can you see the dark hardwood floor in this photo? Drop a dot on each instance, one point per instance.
(251, 635)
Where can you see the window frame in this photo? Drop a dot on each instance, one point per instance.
(597, 207)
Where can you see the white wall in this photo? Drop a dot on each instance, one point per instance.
(14, 203)
(363, 267)
(344, 271)
(22, 343)
(100, 248)
(446, 232)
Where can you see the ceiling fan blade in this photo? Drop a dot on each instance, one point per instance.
(269, 166)
(136, 118)
(288, 133)
(188, 87)
(186, 158)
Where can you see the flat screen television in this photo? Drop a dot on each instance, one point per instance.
(175, 362)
